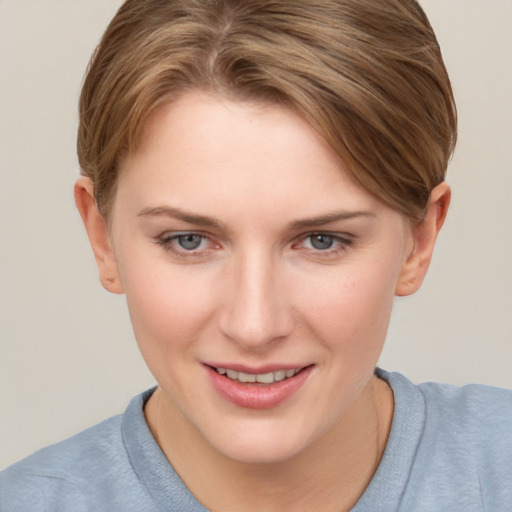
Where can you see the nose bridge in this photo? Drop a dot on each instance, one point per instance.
(256, 311)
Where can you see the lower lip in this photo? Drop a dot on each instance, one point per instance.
(257, 396)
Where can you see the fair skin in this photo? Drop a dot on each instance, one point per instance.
(242, 243)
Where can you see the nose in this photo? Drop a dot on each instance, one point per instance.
(255, 310)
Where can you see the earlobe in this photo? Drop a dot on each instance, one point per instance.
(424, 236)
(97, 232)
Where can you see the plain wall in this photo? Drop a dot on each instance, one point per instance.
(67, 354)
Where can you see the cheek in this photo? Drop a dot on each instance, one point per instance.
(351, 311)
(168, 305)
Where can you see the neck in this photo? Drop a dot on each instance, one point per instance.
(330, 474)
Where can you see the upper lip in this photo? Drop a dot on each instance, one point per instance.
(256, 370)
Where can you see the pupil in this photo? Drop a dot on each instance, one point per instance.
(322, 242)
(190, 242)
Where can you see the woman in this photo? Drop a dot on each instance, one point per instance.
(261, 179)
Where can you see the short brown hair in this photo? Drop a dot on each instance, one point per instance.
(366, 74)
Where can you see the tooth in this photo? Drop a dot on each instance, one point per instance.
(232, 374)
(265, 378)
(279, 375)
(246, 377)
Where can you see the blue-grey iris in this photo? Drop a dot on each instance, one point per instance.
(321, 242)
(190, 241)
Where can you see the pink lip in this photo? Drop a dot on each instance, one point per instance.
(257, 396)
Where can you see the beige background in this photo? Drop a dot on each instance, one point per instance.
(67, 355)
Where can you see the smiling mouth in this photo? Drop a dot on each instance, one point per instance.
(263, 388)
(258, 378)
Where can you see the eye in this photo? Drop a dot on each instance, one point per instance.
(189, 241)
(321, 241)
(325, 243)
(185, 244)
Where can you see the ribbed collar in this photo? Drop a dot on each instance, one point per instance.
(390, 480)
(150, 464)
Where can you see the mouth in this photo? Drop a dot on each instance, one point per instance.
(261, 388)
(258, 378)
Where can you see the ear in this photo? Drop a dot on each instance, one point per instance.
(424, 235)
(98, 234)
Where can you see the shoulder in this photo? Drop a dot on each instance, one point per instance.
(471, 422)
(474, 409)
(472, 427)
(93, 470)
(61, 460)
(63, 469)
(483, 413)
(463, 454)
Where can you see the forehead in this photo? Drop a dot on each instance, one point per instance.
(214, 154)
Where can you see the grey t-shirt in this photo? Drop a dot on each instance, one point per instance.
(450, 450)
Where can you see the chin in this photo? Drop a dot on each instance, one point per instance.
(262, 443)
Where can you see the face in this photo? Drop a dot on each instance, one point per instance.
(247, 253)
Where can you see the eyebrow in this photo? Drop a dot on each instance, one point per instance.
(179, 214)
(328, 219)
(211, 222)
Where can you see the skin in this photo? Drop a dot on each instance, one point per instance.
(255, 182)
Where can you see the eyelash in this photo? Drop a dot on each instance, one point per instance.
(167, 241)
(341, 243)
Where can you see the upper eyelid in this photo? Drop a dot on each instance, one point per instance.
(175, 234)
(347, 237)
(182, 232)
